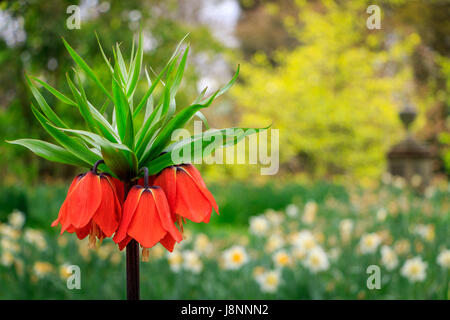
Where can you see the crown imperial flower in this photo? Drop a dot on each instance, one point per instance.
(147, 219)
(91, 207)
(186, 193)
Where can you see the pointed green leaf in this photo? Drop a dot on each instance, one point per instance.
(61, 97)
(178, 121)
(103, 124)
(179, 74)
(202, 117)
(182, 118)
(144, 99)
(49, 113)
(123, 115)
(50, 152)
(70, 144)
(200, 96)
(144, 146)
(91, 138)
(150, 103)
(136, 68)
(82, 105)
(121, 64)
(104, 107)
(84, 66)
(199, 146)
(132, 54)
(104, 55)
(228, 85)
(118, 157)
(175, 53)
(95, 120)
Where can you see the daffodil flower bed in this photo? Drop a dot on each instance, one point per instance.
(310, 249)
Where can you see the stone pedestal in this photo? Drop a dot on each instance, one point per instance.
(410, 159)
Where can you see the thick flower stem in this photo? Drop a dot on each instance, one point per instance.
(133, 289)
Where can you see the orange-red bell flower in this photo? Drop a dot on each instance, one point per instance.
(91, 207)
(146, 219)
(186, 193)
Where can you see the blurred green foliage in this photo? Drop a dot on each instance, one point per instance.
(445, 96)
(335, 97)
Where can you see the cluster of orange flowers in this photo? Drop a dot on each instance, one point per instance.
(96, 205)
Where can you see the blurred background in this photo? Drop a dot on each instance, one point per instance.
(356, 186)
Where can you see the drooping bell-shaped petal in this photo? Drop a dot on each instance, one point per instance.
(83, 201)
(119, 189)
(186, 193)
(121, 237)
(109, 213)
(146, 218)
(62, 211)
(168, 242)
(91, 207)
(195, 175)
(167, 180)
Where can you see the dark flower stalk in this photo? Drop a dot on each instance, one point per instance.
(133, 287)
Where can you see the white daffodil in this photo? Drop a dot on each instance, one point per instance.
(234, 257)
(414, 270)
